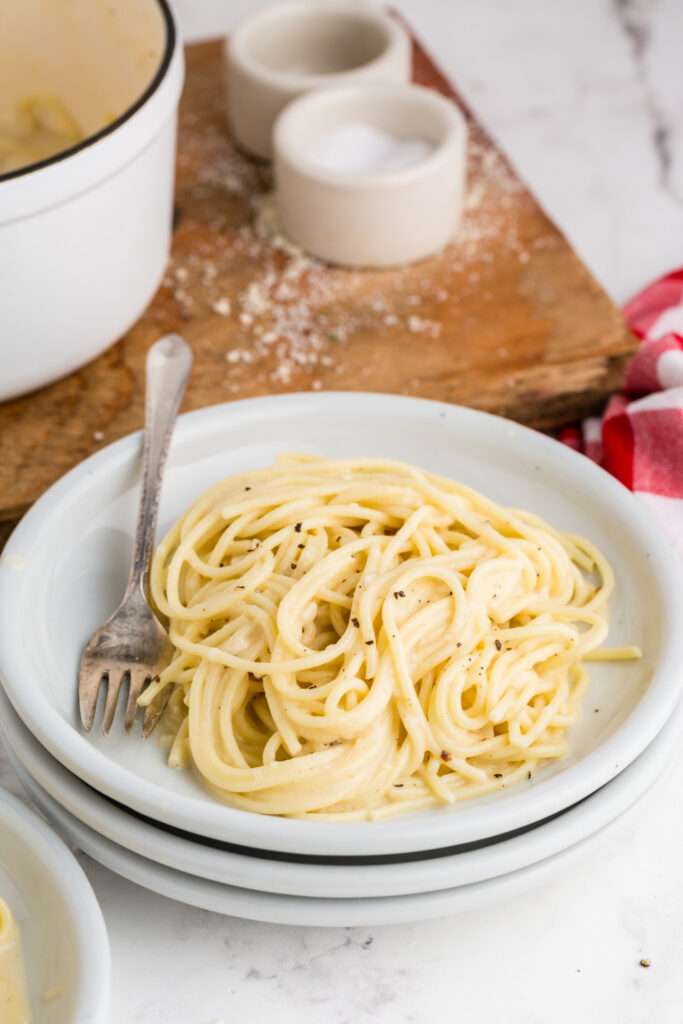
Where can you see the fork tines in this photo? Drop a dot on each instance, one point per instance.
(96, 675)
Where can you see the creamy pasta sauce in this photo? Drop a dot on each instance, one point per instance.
(39, 127)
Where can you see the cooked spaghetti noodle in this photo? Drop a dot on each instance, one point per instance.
(355, 639)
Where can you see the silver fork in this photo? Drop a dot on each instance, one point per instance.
(132, 645)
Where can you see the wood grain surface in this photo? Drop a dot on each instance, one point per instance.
(506, 319)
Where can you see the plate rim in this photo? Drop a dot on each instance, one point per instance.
(472, 820)
(276, 908)
(576, 824)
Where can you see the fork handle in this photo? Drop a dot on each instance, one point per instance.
(169, 361)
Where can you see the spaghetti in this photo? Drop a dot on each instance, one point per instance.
(355, 639)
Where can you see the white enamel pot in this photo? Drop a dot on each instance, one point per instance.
(85, 234)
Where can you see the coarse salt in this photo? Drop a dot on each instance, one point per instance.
(359, 148)
(222, 306)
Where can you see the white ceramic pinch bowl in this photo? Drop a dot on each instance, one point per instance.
(378, 217)
(85, 233)
(63, 936)
(291, 49)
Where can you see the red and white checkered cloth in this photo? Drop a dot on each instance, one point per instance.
(640, 436)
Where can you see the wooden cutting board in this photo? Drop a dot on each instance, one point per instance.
(507, 319)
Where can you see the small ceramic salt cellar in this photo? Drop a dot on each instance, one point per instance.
(371, 175)
(291, 49)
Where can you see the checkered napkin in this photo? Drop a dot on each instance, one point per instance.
(640, 436)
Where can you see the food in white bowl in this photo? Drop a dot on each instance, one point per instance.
(14, 1008)
(356, 639)
(84, 229)
(61, 968)
(371, 177)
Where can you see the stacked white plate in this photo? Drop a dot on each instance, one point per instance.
(63, 572)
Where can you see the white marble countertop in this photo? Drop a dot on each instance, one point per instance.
(585, 98)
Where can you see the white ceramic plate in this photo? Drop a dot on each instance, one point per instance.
(64, 567)
(334, 881)
(293, 910)
(64, 940)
